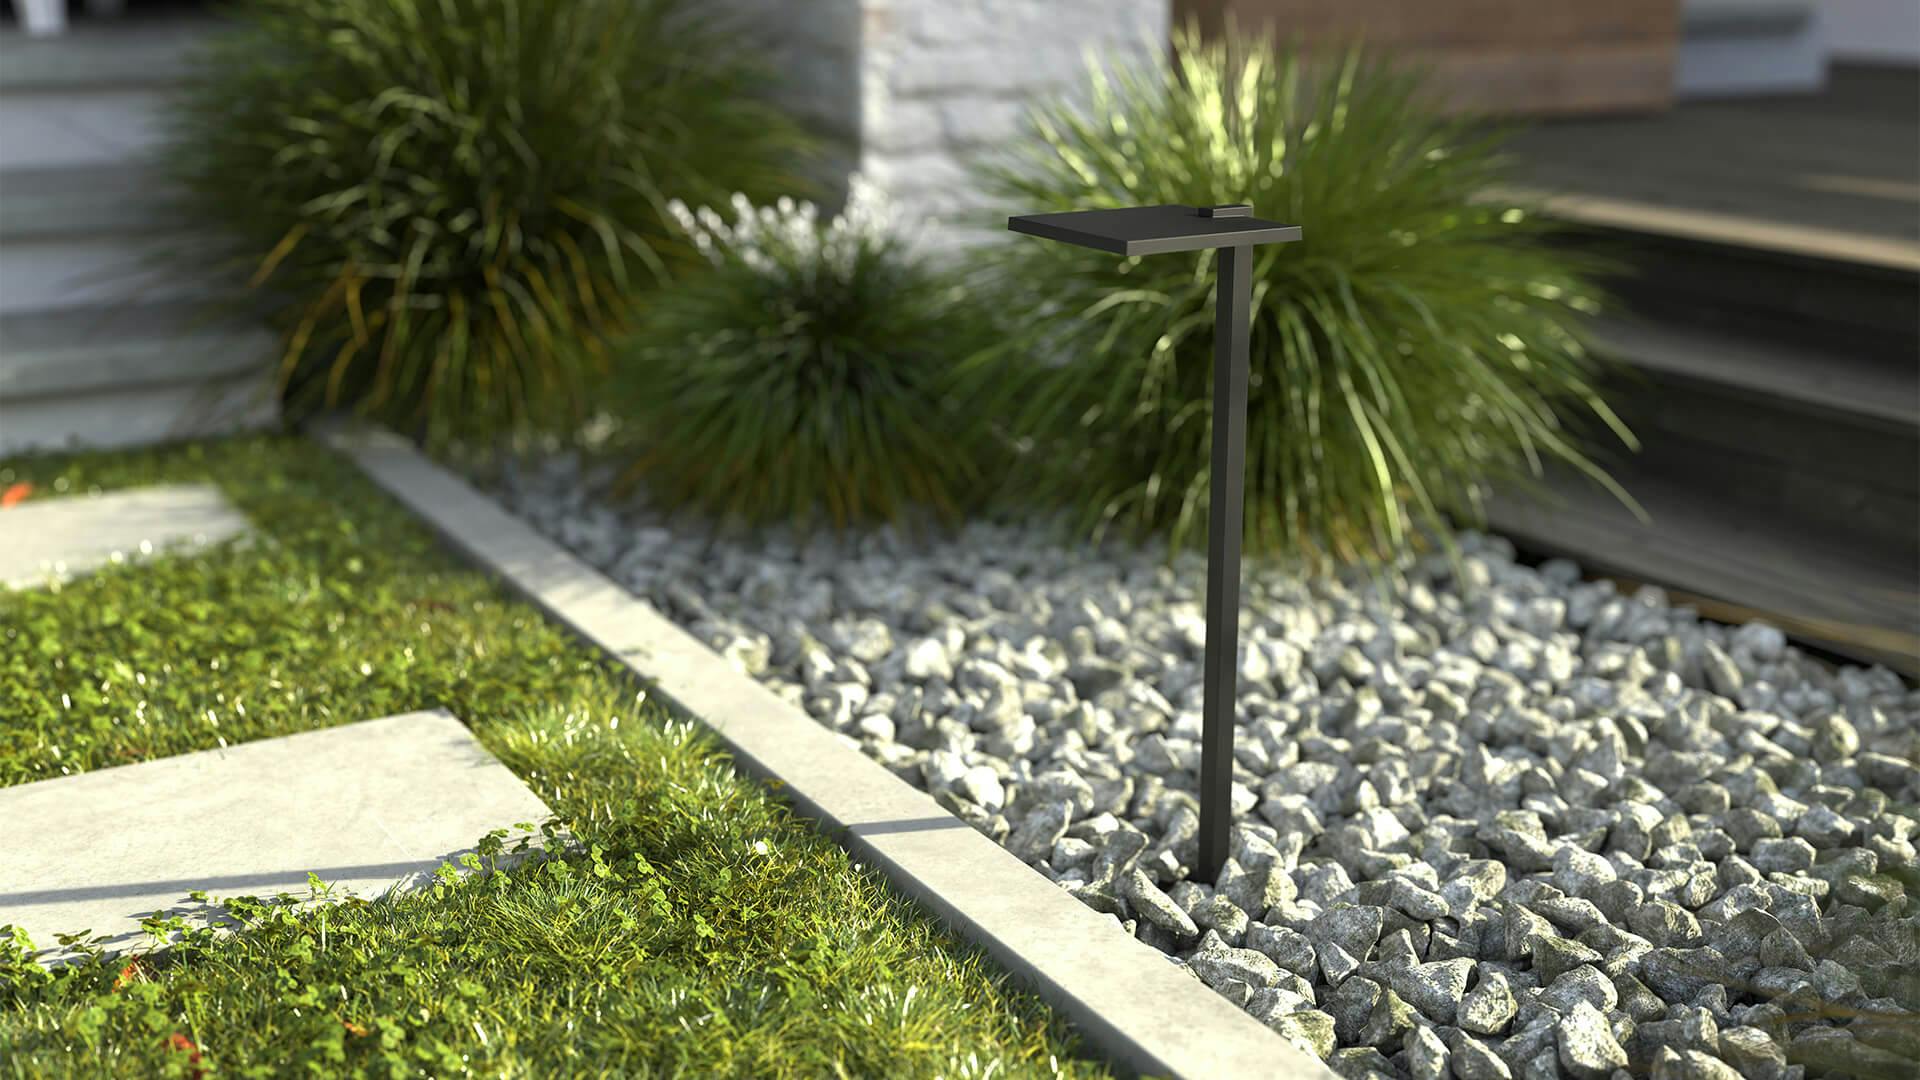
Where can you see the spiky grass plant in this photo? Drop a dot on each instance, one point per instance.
(449, 205)
(808, 376)
(1416, 344)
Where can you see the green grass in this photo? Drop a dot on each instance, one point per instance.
(696, 929)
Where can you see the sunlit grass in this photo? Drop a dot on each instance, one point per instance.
(691, 926)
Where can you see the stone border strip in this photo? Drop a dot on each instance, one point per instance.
(1125, 998)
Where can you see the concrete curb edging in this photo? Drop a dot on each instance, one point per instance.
(1123, 996)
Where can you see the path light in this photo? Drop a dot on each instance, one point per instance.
(1233, 230)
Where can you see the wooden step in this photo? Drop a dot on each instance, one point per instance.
(1839, 384)
(1751, 292)
(1745, 18)
(1823, 440)
(1697, 544)
(1865, 500)
(1721, 228)
(1822, 186)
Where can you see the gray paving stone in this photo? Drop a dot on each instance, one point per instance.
(60, 538)
(366, 807)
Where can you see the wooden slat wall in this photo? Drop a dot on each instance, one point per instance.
(1502, 56)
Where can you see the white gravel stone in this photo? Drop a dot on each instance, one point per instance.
(1473, 1059)
(1577, 872)
(981, 786)
(1525, 803)
(1588, 1050)
(1156, 907)
(1215, 962)
(1435, 989)
(1427, 1057)
(926, 660)
(1489, 1008)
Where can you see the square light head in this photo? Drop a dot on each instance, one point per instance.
(1157, 230)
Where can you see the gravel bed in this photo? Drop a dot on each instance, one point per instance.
(1510, 824)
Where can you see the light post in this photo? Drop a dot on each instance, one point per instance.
(1233, 231)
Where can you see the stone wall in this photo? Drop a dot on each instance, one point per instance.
(814, 48)
(909, 90)
(942, 81)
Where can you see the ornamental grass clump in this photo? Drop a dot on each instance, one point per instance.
(808, 376)
(450, 205)
(1417, 344)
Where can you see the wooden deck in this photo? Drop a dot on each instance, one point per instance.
(1771, 334)
(1833, 175)
(1730, 567)
(1775, 368)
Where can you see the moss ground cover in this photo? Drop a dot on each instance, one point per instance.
(695, 928)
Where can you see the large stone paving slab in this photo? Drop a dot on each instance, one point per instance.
(366, 807)
(48, 539)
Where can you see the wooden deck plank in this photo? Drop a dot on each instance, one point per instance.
(1841, 382)
(1734, 230)
(1834, 174)
(1860, 607)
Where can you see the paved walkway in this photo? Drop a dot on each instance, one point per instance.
(366, 807)
(60, 538)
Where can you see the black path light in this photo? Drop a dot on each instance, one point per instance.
(1233, 230)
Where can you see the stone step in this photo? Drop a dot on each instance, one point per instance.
(61, 538)
(86, 350)
(1700, 19)
(1749, 47)
(96, 271)
(96, 95)
(366, 807)
(140, 417)
(89, 236)
(130, 375)
(133, 52)
(97, 343)
(80, 201)
(104, 126)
